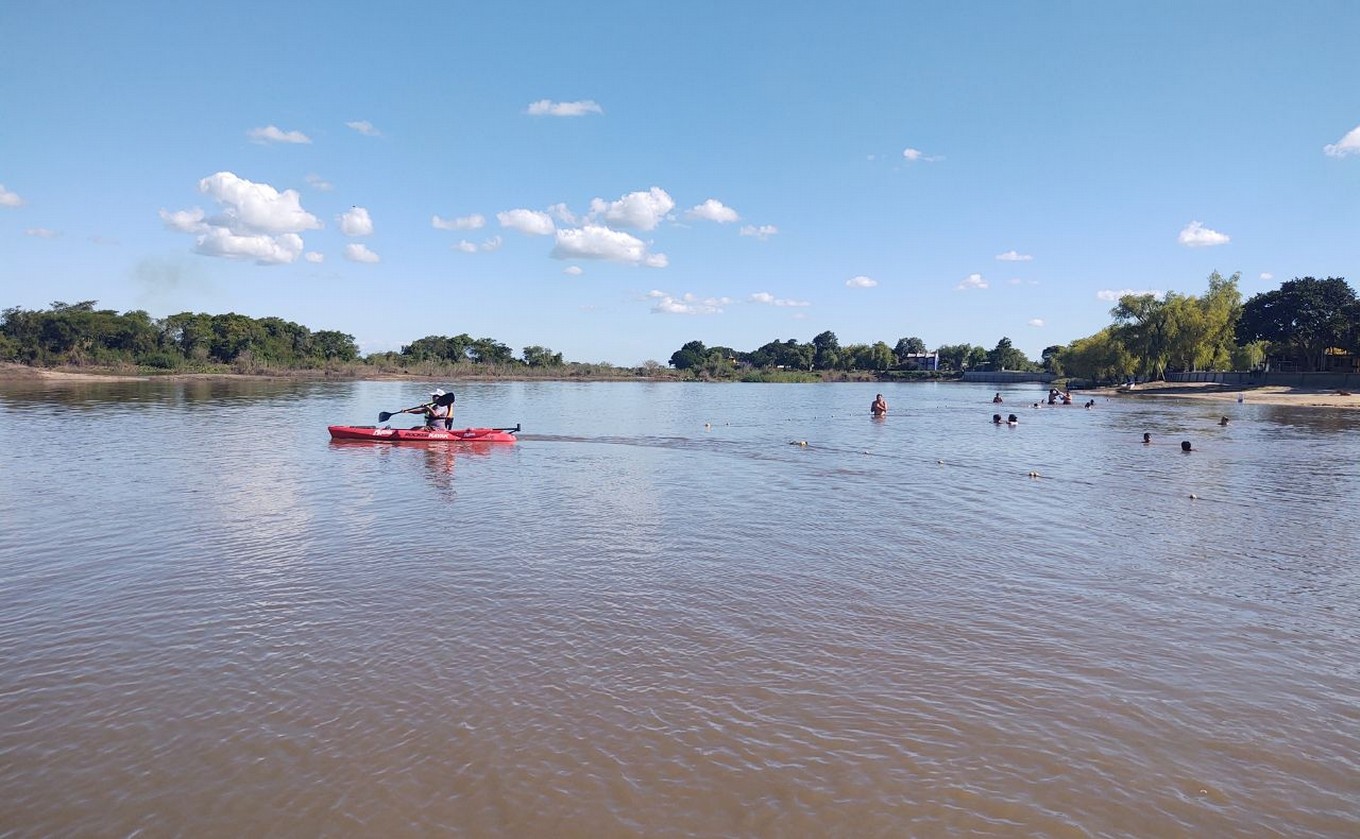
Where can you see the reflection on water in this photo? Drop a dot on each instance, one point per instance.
(655, 616)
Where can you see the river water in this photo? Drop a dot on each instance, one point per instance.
(655, 616)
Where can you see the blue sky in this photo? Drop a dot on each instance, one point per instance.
(611, 180)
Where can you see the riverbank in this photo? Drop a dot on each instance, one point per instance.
(1210, 391)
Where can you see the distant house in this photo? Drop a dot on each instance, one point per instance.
(922, 360)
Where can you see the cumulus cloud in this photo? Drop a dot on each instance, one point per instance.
(714, 210)
(573, 270)
(972, 281)
(1267, 276)
(1350, 144)
(255, 221)
(770, 300)
(527, 221)
(1113, 295)
(494, 243)
(264, 249)
(356, 222)
(364, 127)
(762, 232)
(1014, 256)
(638, 210)
(861, 282)
(41, 233)
(357, 252)
(314, 256)
(274, 134)
(916, 155)
(9, 199)
(596, 242)
(687, 304)
(549, 108)
(563, 214)
(1196, 235)
(472, 222)
(319, 183)
(1035, 322)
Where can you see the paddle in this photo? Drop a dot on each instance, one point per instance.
(446, 399)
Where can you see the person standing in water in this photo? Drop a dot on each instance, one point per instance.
(879, 407)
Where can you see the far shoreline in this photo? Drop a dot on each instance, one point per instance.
(14, 373)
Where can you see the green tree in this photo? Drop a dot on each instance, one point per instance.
(689, 356)
(1305, 316)
(826, 351)
(955, 356)
(536, 356)
(906, 347)
(1007, 357)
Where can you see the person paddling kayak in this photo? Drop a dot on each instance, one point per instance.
(439, 408)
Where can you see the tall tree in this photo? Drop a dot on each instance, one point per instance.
(1306, 316)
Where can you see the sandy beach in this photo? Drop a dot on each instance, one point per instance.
(1266, 395)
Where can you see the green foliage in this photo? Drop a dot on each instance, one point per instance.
(1304, 316)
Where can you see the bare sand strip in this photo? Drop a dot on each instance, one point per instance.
(1210, 391)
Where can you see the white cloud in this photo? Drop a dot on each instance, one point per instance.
(274, 134)
(491, 244)
(357, 252)
(916, 155)
(41, 233)
(472, 222)
(256, 221)
(972, 281)
(1350, 144)
(527, 221)
(256, 207)
(597, 242)
(638, 210)
(9, 199)
(546, 107)
(1035, 322)
(319, 183)
(1112, 295)
(573, 270)
(770, 300)
(762, 232)
(313, 256)
(1196, 235)
(364, 127)
(714, 210)
(1267, 276)
(687, 304)
(263, 248)
(564, 214)
(185, 221)
(356, 222)
(861, 282)
(1014, 256)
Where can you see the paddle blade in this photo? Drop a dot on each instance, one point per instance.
(384, 416)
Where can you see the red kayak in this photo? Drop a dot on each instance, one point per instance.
(422, 435)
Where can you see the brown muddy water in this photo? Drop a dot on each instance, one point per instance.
(654, 616)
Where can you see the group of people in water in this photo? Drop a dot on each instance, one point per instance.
(879, 408)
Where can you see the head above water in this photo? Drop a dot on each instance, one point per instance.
(1185, 446)
(1147, 437)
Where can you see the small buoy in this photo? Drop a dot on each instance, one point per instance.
(708, 425)
(1193, 496)
(1034, 474)
(941, 462)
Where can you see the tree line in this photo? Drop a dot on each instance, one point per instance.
(80, 334)
(1302, 325)
(1297, 326)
